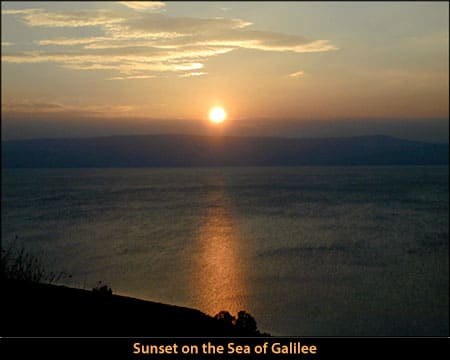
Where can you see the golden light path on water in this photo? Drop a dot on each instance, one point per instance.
(219, 281)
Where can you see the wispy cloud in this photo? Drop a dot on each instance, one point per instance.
(7, 43)
(138, 65)
(306, 47)
(266, 41)
(297, 74)
(139, 44)
(32, 106)
(143, 5)
(19, 11)
(71, 41)
(69, 19)
(193, 74)
(137, 62)
(43, 107)
(131, 77)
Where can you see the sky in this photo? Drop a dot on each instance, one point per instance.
(294, 69)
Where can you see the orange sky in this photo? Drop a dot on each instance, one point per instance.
(122, 67)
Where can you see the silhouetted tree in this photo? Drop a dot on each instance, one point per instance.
(246, 322)
(225, 316)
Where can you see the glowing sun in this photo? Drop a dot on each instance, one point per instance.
(217, 115)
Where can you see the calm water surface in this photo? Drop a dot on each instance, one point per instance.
(310, 251)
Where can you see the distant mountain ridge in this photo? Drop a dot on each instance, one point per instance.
(199, 150)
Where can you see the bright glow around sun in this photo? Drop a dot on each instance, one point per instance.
(217, 115)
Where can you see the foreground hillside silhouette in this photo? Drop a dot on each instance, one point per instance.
(34, 306)
(36, 309)
(190, 150)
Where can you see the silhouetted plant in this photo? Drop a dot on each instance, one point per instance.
(246, 322)
(21, 265)
(226, 317)
(102, 290)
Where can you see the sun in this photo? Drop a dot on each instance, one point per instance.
(217, 115)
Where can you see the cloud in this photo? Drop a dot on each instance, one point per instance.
(306, 47)
(131, 77)
(69, 19)
(43, 107)
(193, 66)
(19, 12)
(31, 106)
(297, 74)
(7, 43)
(128, 44)
(192, 74)
(143, 5)
(141, 44)
(166, 31)
(71, 41)
(266, 41)
(137, 62)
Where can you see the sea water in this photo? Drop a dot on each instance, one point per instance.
(307, 251)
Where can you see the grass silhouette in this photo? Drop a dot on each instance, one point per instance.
(18, 264)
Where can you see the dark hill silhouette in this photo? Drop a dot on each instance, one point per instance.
(35, 309)
(192, 150)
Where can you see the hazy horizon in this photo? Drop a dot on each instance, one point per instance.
(434, 131)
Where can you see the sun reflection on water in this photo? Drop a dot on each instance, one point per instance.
(219, 280)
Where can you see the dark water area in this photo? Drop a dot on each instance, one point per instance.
(309, 251)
